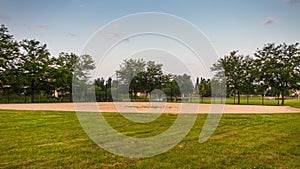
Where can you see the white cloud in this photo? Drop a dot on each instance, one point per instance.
(269, 20)
(71, 34)
(291, 1)
(41, 26)
(109, 35)
(294, 3)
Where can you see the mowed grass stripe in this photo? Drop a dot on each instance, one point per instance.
(49, 139)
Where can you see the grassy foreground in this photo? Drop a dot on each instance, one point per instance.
(45, 139)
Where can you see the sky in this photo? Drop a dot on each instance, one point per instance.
(66, 26)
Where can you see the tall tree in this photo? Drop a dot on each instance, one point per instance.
(154, 75)
(82, 76)
(108, 86)
(127, 73)
(279, 66)
(100, 83)
(136, 75)
(34, 63)
(100, 89)
(233, 69)
(185, 84)
(84, 65)
(9, 56)
(65, 67)
(197, 84)
(204, 88)
(128, 69)
(249, 73)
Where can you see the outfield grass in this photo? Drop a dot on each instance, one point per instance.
(45, 139)
(271, 102)
(254, 101)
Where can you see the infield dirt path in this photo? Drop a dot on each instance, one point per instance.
(146, 107)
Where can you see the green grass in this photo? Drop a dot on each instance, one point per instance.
(269, 102)
(255, 100)
(293, 103)
(48, 139)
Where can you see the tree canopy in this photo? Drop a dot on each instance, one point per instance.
(278, 66)
(137, 75)
(234, 68)
(28, 65)
(274, 67)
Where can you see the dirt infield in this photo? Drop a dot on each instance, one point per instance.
(146, 107)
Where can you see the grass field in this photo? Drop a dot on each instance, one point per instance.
(271, 102)
(48, 139)
(255, 101)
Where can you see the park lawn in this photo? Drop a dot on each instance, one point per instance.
(293, 103)
(253, 101)
(270, 102)
(53, 139)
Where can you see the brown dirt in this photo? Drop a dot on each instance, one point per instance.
(146, 107)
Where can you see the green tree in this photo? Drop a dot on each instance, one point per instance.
(140, 76)
(9, 56)
(248, 76)
(100, 89)
(108, 86)
(136, 75)
(185, 84)
(197, 84)
(233, 68)
(84, 65)
(34, 64)
(278, 67)
(148, 79)
(127, 73)
(204, 88)
(154, 75)
(128, 69)
(82, 77)
(65, 67)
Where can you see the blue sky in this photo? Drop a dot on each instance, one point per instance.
(230, 25)
(66, 25)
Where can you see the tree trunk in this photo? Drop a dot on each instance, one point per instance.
(239, 97)
(106, 99)
(32, 91)
(282, 97)
(71, 93)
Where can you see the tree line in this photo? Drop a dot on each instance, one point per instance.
(136, 79)
(274, 69)
(26, 67)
